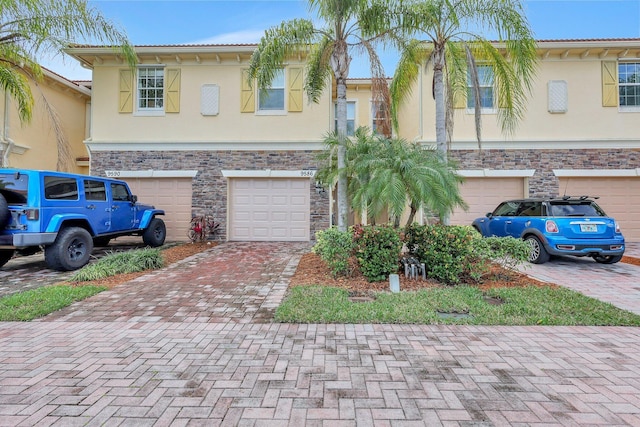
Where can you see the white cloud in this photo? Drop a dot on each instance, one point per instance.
(237, 37)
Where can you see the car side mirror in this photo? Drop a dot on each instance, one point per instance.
(133, 198)
(489, 214)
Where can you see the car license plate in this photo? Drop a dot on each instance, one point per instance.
(588, 228)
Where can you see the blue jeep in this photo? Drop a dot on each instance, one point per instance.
(557, 226)
(67, 214)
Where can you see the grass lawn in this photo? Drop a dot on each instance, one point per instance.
(462, 305)
(39, 302)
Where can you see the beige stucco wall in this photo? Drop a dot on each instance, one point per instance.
(35, 142)
(189, 125)
(585, 119)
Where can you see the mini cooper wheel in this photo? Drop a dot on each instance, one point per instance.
(607, 259)
(71, 250)
(538, 254)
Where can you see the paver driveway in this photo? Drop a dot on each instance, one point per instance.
(192, 345)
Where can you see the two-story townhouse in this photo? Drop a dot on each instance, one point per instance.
(35, 145)
(580, 135)
(186, 130)
(190, 135)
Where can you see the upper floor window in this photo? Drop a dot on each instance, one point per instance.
(629, 84)
(272, 98)
(351, 117)
(377, 117)
(150, 89)
(485, 88)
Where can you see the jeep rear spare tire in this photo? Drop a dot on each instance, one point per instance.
(155, 233)
(71, 250)
(4, 212)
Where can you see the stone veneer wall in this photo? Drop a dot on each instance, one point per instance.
(209, 186)
(544, 182)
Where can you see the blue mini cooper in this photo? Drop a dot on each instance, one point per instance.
(558, 226)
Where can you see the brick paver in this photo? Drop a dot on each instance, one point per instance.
(193, 345)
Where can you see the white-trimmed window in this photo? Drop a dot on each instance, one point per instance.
(150, 89)
(377, 116)
(629, 84)
(272, 98)
(351, 118)
(485, 88)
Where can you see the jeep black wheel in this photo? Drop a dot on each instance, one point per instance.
(4, 212)
(70, 251)
(155, 233)
(538, 254)
(5, 256)
(607, 259)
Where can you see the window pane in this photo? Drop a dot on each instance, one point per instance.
(150, 88)
(94, 190)
(629, 84)
(272, 98)
(57, 188)
(485, 82)
(351, 118)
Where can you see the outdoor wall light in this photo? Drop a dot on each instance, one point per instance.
(320, 189)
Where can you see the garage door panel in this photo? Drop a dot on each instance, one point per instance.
(618, 196)
(484, 194)
(278, 209)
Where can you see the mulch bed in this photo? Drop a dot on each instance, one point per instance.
(313, 271)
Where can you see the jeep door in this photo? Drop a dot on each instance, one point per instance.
(123, 211)
(97, 205)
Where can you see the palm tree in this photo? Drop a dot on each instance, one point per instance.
(346, 26)
(391, 174)
(454, 47)
(31, 27)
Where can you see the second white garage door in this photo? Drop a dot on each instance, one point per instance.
(269, 209)
(618, 196)
(484, 194)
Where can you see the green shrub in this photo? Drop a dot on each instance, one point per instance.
(334, 247)
(377, 249)
(448, 252)
(120, 262)
(508, 252)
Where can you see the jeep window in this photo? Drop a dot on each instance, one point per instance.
(581, 208)
(119, 192)
(507, 209)
(59, 188)
(94, 190)
(14, 188)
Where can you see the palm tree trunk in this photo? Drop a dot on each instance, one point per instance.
(441, 106)
(340, 63)
(412, 214)
(441, 109)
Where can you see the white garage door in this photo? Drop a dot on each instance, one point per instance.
(484, 194)
(173, 195)
(619, 197)
(268, 209)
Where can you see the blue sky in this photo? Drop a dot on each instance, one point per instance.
(153, 22)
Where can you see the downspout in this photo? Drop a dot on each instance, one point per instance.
(6, 141)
